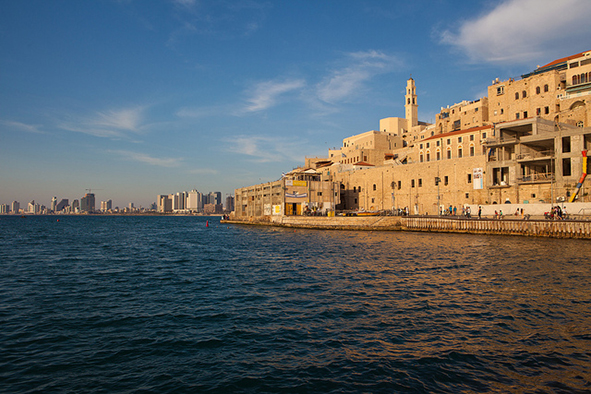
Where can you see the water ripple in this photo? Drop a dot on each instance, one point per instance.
(166, 304)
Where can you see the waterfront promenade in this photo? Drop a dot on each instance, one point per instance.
(579, 229)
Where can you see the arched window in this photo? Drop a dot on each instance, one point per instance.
(516, 96)
(459, 152)
(537, 90)
(523, 94)
(438, 155)
(374, 187)
(545, 88)
(421, 157)
(428, 156)
(449, 153)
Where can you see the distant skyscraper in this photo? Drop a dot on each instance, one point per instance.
(195, 201)
(87, 203)
(53, 203)
(61, 205)
(15, 207)
(75, 206)
(106, 205)
(4, 208)
(229, 203)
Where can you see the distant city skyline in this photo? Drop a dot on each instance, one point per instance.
(57, 203)
(132, 99)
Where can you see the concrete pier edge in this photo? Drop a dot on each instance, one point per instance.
(566, 229)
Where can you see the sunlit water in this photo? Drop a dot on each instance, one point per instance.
(166, 304)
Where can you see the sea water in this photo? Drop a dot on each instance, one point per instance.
(138, 304)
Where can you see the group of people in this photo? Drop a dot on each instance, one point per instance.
(556, 213)
(453, 211)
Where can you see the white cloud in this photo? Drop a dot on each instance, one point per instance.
(147, 159)
(266, 94)
(204, 171)
(29, 128)
(348, 80)
(110, 124)
(266, 149)
(519, 31)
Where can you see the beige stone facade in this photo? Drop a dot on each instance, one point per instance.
(300, 192)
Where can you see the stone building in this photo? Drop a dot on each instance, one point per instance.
(299, 192)
(521, 144)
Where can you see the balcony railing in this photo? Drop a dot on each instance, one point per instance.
(535, 155)
(501, 141)
(533, 178)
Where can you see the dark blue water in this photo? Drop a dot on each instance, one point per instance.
(167, 305)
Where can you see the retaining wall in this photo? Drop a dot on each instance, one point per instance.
(535, 228)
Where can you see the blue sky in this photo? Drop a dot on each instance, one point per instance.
(138, 98)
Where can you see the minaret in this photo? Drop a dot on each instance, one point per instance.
(411, 106)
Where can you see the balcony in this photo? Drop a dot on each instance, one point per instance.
(535, 155)
(494, 142)
(536, 178)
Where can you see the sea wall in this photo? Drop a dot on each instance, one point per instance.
(535, 228)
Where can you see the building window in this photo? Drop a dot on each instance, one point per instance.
(565, 144)
(545, 88)
(373, 200)
(374, 187)
(420, 182)
(538, 90)
(459, 152)
(421, 146)
(319, 193)
(524, 114)
(546, 110)
(354, 189)
(516, 96)
(421, 158)
(428, 156)
(538, 111)
(566, 171)
(438, 155)
(428, 144)
(449, 141)
(484, 135)
(438, 143)
(500, 90)
(412, 183)
(471, 137)
(502, 111)
(449, 153)
(459, 139)
(517, 115)
(523, 94)
(472, 151)
(469, 178)
(399, 185)
(446, 180)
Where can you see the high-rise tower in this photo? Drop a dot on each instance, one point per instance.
(411, 106)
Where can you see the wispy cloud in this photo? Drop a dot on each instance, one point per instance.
(263, 149)
(347, 81)
(267, 94)
(147, 159)
(109, 124)
(29, 128)
(518, 31)
(204, 171)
